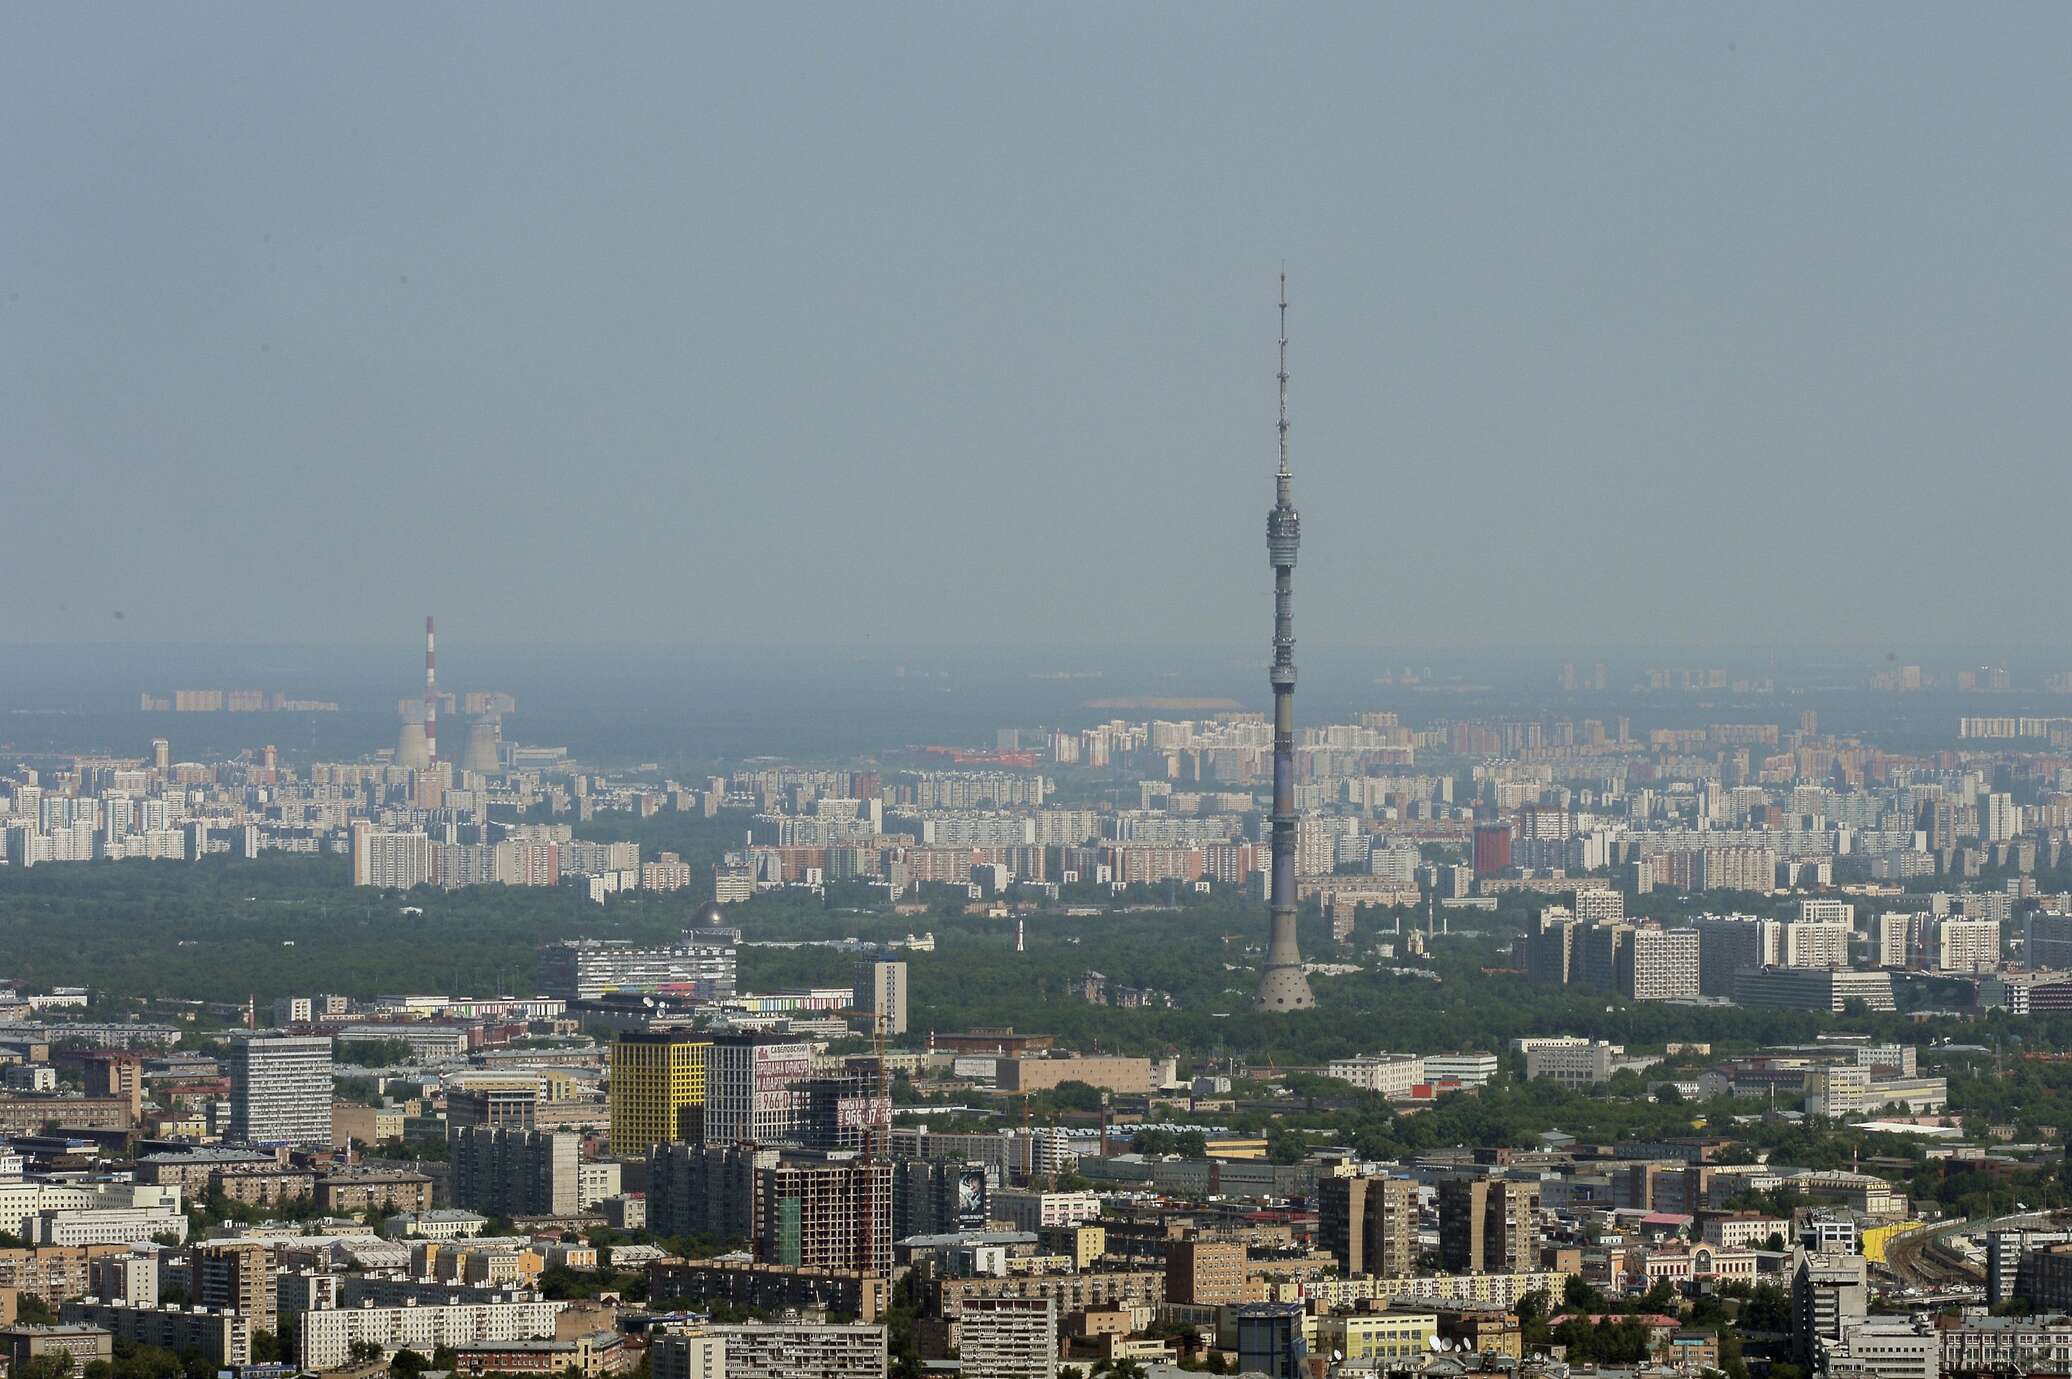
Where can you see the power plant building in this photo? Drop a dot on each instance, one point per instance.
(413, 748)
(480, 754)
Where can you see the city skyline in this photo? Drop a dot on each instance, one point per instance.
(849, 905)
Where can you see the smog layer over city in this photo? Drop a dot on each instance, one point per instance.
(1049, 692)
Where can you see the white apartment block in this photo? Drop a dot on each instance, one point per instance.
(106, 1226)
(1816, 943)
(796, 1350)
(1468, 1069)
(1391, 1075)
(732, 883)
(1886, 1348)
(389, 859)
(1582, 1064)
(687, 1355)
(1665, 964)
(1999, 818)
(1818, 910)
(1599, 904)
(1031, 1211)
(327, 1334)
(1967, 945)
(22, 1201)
(280, 1089)
(1735, 869)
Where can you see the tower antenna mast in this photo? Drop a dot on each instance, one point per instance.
(1283, 985)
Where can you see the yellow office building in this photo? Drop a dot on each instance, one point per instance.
(657, 1077)
(1401, 1337)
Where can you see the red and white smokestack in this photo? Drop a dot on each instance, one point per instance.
(431, 691)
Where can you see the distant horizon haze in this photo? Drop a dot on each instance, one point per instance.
(874, 326)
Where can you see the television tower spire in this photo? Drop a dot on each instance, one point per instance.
(1282, 984)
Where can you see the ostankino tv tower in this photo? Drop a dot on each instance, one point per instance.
(1282, 985)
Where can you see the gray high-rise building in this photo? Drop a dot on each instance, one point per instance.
(1369, 1224)
(509, 1172)
(881, 991)
(1283, 986)
(1488, 1225)
(755, 1087)
(1829, 1294)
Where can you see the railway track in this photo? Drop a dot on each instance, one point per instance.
(1923, 1259)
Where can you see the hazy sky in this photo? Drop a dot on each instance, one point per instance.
(953, 323)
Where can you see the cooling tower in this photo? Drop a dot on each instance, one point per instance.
(412, 750)
(479, 755)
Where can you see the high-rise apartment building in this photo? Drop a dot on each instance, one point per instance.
(881, 992)
(793, 1350)
(823, 1211)
(1489, 1225)
(1550, 951)
(1892, 936)
(280, 1089)
(935, 1196)
(1008, 1338)
(1597, 904)
(706, 1189)
(1735, 869)
(1203, 1273)
(831, 1212)
(236, 1275)
(1730, 943)
(1817, 943)
(657, 1090)
(753, 1088)
(1659, 965)
(1492, 848)
(1369, 1224)
(732, 883)
(1966, 945)
(508, 1172)
(390, 859)
(2048, 944)
(1599, 955)
(1999, 818)
(1829, 1294)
